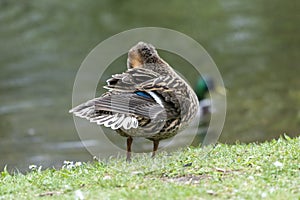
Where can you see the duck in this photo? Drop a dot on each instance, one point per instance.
(203, 86)
(148, 100)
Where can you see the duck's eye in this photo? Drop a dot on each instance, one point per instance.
(151, 60)
(147, 53)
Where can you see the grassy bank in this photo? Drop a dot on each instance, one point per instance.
(270, 170)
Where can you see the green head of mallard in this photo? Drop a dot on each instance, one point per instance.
(203, 85)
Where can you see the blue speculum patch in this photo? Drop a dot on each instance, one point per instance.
(143, 94)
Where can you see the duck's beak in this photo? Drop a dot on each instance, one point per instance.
(134, 60)
(220, 90)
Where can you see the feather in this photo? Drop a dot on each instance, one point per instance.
(143, 94)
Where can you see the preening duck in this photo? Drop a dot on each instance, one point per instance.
(148, 100)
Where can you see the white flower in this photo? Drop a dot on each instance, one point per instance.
(79, 195)
(272, 190)
(71, 164)
(211, 192)
(66, 162)
(278, 164)
(32, 167)
(106, 177)
(35, 168)
(263, 195)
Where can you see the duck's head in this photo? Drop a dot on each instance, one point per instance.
(142, 53)
(204, 84)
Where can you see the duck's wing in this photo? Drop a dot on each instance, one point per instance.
(127, 110)
(131, 99)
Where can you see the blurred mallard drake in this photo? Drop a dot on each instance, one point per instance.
(203, 86)
(148, 100)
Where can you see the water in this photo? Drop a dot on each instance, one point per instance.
(42, 43)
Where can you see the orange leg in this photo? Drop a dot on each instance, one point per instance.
(129, 142)
(155, 147)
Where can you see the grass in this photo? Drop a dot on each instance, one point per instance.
(269, 170)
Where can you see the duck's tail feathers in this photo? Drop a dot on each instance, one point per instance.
(110, 120)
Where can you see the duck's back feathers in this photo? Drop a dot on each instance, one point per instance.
(130, 80)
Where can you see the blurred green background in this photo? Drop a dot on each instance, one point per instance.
(255, 44)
